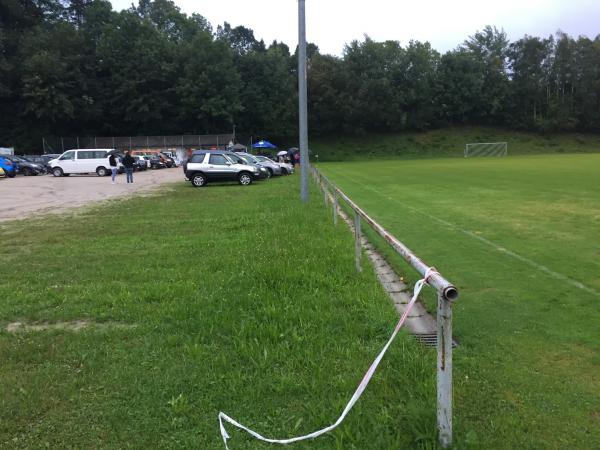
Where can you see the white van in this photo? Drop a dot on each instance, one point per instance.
(83, 160)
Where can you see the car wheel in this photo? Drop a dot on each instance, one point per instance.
(27, 171)
(270, 172)
(244, 178)
(101, 171)
(57, 172)
(198, 180)
(11, 174)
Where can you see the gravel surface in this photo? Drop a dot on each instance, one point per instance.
(32, 196)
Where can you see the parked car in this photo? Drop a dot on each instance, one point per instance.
(166, 158)
(9, 167)
(173, 156)
(140, 164)
(169, 161)
(155, 162)
(286, 168)
(43, 160)
(142, 159)
(249, 159)
(271, 165)
(26, 166)
(214, 165)
(82, 161)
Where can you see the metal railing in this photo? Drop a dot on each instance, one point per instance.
(446, 294)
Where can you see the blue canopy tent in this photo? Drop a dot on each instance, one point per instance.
(263, 144)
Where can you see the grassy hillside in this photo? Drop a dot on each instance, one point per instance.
(446, 142)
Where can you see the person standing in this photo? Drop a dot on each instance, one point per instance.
(112, 161)
(128, 162)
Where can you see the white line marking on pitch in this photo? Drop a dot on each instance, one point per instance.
(492, 244)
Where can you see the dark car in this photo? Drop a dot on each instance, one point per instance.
(167, 160)
(27, 167)
(43, 160)
(10, 168)
(140, 164)
(155, 162)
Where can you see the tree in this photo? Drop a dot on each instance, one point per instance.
(268, 93)
(137, 68)
(586, 95)
(208, 86)
(419, 83)
(240, 39)
(489, 50)
(528, 59)
(330, 100)
(459, 91)
(374, 72)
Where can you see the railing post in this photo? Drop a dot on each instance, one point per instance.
(444, 371)
(357, 241)
(325, 195)
(335, 208)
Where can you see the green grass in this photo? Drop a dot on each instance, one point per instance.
(247, 301)
(238, 299)
(515, 235)
(447, 142)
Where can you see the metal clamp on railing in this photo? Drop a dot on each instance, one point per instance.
(447, 293)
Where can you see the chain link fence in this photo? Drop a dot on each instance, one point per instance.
(173, 143)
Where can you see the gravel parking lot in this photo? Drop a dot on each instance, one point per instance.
(31, 196)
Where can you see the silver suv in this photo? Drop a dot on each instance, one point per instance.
(214, 165)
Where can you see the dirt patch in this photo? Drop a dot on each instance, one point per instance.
(75, 325)
(33, 196)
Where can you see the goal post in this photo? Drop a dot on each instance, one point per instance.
(486, 149)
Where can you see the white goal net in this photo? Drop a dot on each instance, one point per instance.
(486, 149)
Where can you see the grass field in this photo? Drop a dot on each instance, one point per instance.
(519, 238)
(244, 300)
(200, 300)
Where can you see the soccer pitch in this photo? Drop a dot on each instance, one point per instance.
(519, 237)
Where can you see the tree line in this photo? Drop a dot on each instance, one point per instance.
(78, 68)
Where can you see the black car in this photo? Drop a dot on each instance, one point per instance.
(140, 164)
(43, 160)
(156, 162)
(26, 166)
(167, 160)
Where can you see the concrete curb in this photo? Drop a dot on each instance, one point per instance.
(419, 322)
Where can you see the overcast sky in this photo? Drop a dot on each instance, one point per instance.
(445, 24)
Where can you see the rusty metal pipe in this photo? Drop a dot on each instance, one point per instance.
(447, 289)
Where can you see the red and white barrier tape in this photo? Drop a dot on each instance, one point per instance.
(361, 387)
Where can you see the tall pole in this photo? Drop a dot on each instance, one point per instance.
(302, 102)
